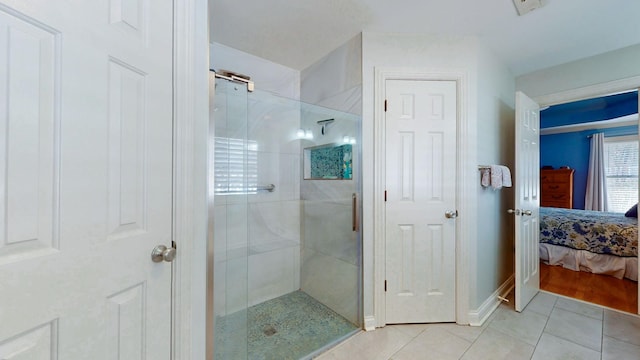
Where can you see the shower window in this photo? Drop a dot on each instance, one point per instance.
(236, 166)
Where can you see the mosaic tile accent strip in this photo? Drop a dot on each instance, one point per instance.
(332, 162)
(291, 326)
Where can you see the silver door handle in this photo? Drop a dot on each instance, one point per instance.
(527, 212)
(355, 223)
(451, 214)
(512, 211)
(162, 253)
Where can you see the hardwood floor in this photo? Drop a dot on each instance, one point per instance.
(594, 288)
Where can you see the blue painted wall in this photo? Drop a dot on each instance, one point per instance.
(572, 149)
(602, 108)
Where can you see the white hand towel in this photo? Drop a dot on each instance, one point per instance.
(485, 179)
(506, 177)
(496, 177)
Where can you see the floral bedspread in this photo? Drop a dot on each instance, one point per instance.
(595, 231)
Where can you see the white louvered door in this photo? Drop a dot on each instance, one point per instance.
(85, 178)
(420, 128)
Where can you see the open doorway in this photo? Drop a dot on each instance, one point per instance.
(593, 258)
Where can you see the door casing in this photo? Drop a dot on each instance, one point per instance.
(464, 224)
(191, 121)
(592, 91)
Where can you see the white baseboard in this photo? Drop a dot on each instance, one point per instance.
(369, 323)
(479, 316)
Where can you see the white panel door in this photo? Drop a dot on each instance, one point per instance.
(420, 127)
(85, 178)
(527, 204)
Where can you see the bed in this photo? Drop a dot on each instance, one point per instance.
(592, 241)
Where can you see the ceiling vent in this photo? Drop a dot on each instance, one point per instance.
(524, 6)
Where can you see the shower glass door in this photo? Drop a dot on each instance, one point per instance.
(231, 180)
(330, 193)
(287, 248)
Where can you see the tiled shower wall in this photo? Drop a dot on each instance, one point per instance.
(300, 235)
(330, 270)
(274, 217)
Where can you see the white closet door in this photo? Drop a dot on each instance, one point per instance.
(421, 190)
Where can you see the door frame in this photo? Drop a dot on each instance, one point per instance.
(190, 131)
(592, 91)
(463, 223)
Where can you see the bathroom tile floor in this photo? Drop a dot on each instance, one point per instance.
(551, 327)
(292, 326)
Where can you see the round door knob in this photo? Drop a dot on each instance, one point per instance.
(451, 214)
(161, 253)
(527, 212)
(512, 211)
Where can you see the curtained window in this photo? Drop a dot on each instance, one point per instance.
(621, 172)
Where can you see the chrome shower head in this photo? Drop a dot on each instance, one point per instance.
(324, 124)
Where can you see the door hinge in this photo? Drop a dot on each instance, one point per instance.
(385, 195)
(385, 286)
(385, 106)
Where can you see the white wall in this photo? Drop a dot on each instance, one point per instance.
(615, 65)
(489, 106)
(335, 81)
(408, 51)
(496, 127)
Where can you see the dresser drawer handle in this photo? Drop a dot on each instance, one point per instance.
(557, 197)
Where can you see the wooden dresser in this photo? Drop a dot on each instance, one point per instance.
(556, 188)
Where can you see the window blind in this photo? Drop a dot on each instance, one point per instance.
(621, 172)
(235, 166)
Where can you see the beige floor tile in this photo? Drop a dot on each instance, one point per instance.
(554, 348)
(411, 329)
(433, 343)
(573, 330)
(493, 314)
(613, 349)
(576, 328)
(622, 326)
(510, 305)
(378, 344)
(526, 326)
(581, 308)
(542, 303)
(469, 333)
(494, 345)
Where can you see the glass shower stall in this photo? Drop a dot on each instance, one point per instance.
(284, 184)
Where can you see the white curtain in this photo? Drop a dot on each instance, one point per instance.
(596, 195)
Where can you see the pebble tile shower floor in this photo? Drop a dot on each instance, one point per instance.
(291, 326)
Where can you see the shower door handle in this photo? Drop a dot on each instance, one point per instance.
(355, 224)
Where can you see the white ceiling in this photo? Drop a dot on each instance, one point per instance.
(296, 33)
